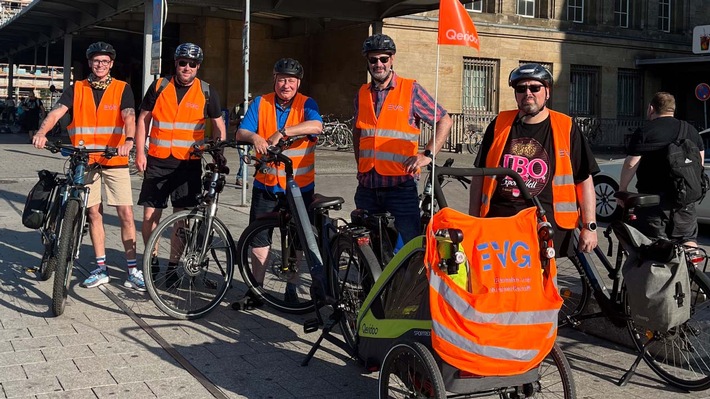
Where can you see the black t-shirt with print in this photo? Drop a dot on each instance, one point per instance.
(650, 142)
(530, 152)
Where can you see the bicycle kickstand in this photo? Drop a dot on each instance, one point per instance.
(630, 372)
(332, 321)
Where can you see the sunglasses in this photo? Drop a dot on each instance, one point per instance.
(383, 59)
(183, 63)
(524, 88)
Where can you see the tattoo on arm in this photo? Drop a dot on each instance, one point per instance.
(56, 106)
(128, 111)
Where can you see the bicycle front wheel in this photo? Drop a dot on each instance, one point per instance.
(573, 285)
(69, 238)
(272, 267)
(188, 269)
(681, 356)
(351, 281)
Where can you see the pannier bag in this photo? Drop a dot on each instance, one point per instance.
(37, 203)
(505, 323)
(657, 283)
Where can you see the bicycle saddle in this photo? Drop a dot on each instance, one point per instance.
(320, 202)
(632, 200)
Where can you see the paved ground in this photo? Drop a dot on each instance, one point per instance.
(112, 342)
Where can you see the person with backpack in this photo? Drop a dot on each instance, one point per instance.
(103, 115)
(178, 107)
(666, 155)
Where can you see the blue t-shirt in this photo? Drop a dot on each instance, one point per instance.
(251, 123)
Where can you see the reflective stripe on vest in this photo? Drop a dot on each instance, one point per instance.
(301, 152)
(507, 323)
(388, 140)
(98, 127)
(564, 196)
(177, 127)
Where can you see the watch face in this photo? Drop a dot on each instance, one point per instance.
(592, 226)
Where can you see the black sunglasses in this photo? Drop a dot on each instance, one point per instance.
(383, 59)
(523, 88)
(183, 63)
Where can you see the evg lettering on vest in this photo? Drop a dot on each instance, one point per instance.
(395, 107)
(513, 254)
(192, 105)
(110, 107)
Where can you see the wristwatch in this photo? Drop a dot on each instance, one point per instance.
(428, 153)
(130, 139)
(283, 131)
(591, 226)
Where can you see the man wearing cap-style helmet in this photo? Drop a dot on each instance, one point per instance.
(388, 112)
(549, 152)
(179, 108)
(270, 118)
(102, 104)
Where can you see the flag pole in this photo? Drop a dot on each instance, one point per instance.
(433, 134)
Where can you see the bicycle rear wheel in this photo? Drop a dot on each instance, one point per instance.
(286, 280)
(184, 282)
(69, 237)
(351, 281)
(49, 240)
(681, 356)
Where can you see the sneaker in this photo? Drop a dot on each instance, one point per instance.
(290, 296)
(248, 301)
(97, 278)
(135, 281)
(239, 182)
(171, 277)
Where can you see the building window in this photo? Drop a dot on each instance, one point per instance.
(480, 85)
(629, 93)
(583, 90)
(664, 15)
(575, 11)
(621, 13)
(526, 8)
(475, 6)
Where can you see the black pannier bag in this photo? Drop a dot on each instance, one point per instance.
(37, 203)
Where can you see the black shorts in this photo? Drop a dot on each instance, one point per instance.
(182, 183)
(678, 225)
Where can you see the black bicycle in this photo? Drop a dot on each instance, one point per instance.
(66, 224)
(681, 356)
(189, 262)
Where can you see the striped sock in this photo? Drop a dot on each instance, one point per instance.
(132, 269)
(101, 262)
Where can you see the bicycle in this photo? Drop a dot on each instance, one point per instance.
(67, 218)
(678, 356)
(194, 246)
(472, 139)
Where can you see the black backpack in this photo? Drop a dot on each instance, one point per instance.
(686, 170)
(37, 203)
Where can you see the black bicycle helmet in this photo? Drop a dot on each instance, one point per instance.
(379, 42)
(100, 48)
(191, 51)
(530, 71)
(288, 66)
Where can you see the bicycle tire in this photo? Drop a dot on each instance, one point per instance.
(350, 284)
(680, 356)
(68, 238)
(273, 288)
(410, 371)
(190, 289)
(49, 258)
(555, 377)
(573, 285)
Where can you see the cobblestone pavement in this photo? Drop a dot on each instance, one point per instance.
(114, 343)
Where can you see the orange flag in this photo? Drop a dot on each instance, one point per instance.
(455, 26)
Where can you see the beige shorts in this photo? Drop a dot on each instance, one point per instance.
(118, 186)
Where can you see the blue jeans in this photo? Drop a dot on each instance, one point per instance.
(401, 201)
(241, 150)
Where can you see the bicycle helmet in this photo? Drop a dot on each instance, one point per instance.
(190, 51)
(530, 71)
(379, 42)
(100, 48)
(288, 66)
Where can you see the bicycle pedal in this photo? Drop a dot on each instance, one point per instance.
(311, 325)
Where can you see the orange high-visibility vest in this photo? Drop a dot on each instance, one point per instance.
(564, 196)
(177, 127)
(98, 127)
(508, 324)
(386, 142)
(301, 152)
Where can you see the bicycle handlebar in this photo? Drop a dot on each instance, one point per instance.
(57, 146)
